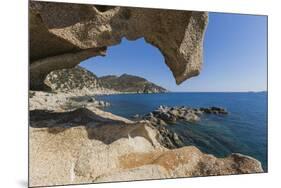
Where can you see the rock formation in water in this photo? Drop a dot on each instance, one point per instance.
(63, 34)
(70, 143)
(78, 79)
(165, 114)
(86, 144)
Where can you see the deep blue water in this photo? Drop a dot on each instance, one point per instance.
(244, 130)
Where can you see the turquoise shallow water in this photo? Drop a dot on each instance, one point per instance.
(244, 130)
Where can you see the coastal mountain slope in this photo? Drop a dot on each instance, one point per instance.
(65, 80)
(130, 83)
(78, 78)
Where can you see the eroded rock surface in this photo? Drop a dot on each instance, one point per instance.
(64, 34)
(119, 152)
(116, 151)
(70, 143)
(84, 145)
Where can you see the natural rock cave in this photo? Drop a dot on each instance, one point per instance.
(89, 29)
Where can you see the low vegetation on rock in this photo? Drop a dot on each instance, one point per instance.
(131, 84)
(78, 78)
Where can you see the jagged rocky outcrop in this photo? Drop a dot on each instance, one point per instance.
(78, 79)
(131, 84)
(86, 144)
(165, 114)
(60, 40)
(70, 143)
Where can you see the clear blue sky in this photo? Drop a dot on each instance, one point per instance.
(235, 57)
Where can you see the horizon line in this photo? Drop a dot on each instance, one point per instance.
(125, 73)
(217, 91)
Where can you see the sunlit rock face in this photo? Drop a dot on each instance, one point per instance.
(88, 145)
(72, 144)
(62, 35)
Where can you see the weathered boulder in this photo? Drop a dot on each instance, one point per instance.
(64, 155)
(86, 145)
(190, 161)
(63, 34)
(119, 152)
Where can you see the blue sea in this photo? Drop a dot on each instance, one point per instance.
(244, 130)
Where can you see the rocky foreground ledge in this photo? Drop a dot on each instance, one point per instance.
(86, 144)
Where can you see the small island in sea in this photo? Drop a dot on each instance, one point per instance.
(114, 121)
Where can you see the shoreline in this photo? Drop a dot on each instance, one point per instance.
(79, 137)
(82, 93)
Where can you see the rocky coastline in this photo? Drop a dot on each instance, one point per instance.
(72, 140)
(165, 116)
